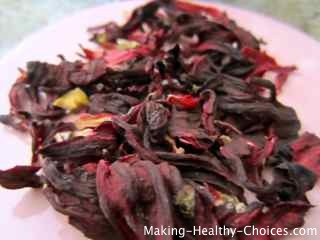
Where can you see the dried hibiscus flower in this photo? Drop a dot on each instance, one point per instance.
(169, 122)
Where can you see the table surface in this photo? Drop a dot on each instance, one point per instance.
(19, 18)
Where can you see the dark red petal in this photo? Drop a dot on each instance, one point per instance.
(20, 177)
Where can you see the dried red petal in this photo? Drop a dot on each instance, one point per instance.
(265, 63)
(196, 8)
(181, 130)
(183, 101)
(306, 151)
(208, 111)
(90, 54)
(241, 220)
(20, 177)
(115, 57)
(304, 142)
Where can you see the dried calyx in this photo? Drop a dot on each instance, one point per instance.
(169, 122)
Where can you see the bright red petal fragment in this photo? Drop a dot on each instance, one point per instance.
(193, 8)
(116, 56)
(90, 54)
(304, 142)
(183, 101)
(306, 150)
(265, 63)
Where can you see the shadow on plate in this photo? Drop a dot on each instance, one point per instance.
(32, 203)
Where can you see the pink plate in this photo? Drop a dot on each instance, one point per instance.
(26, 214)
